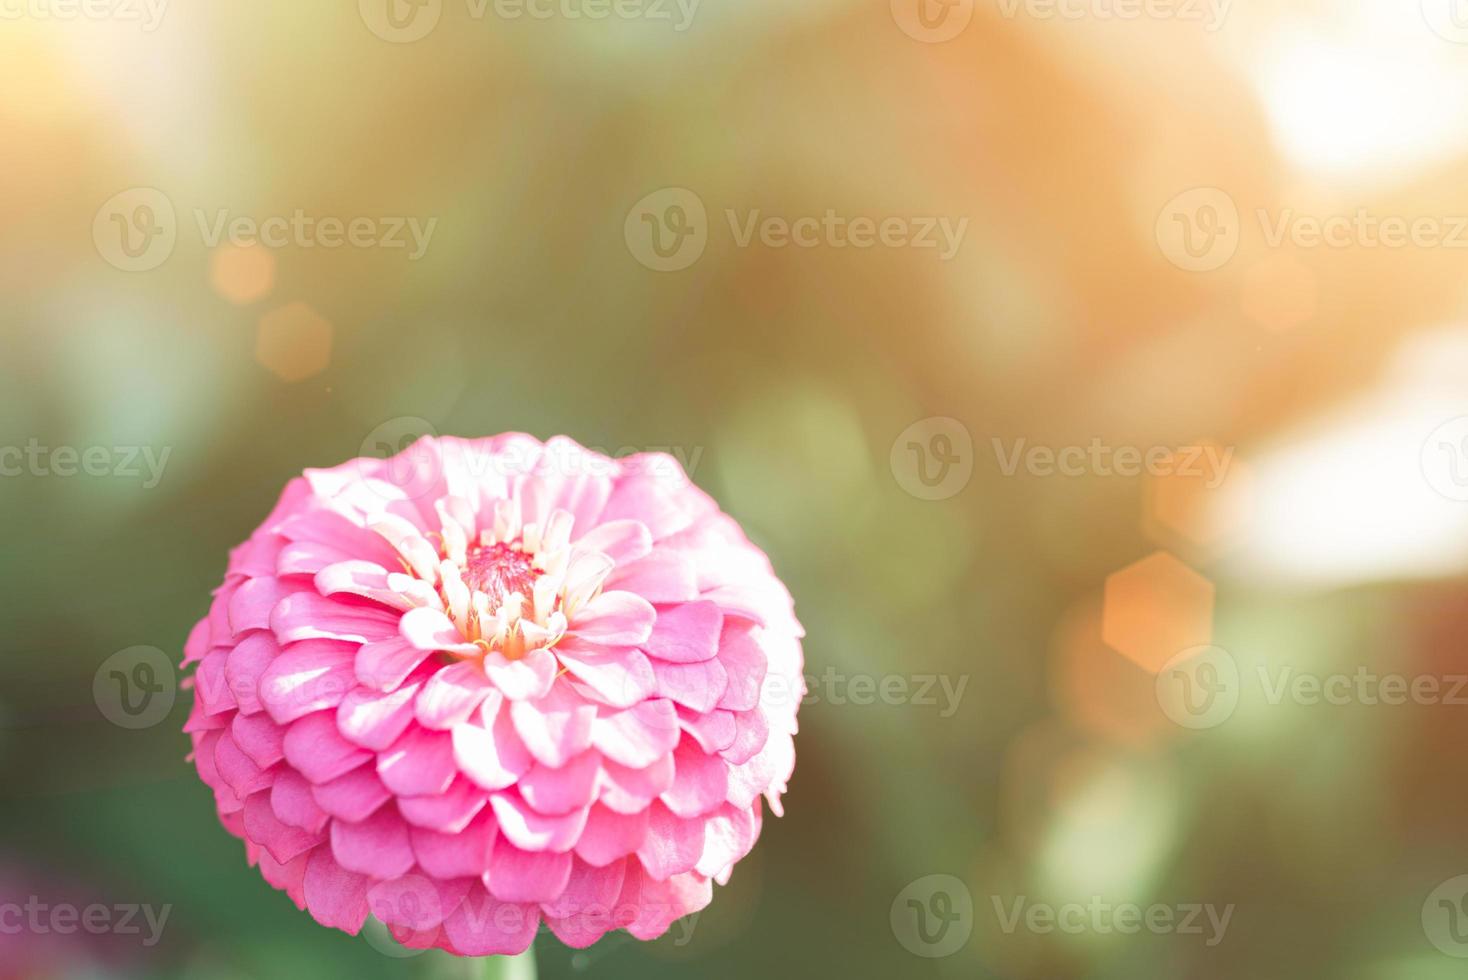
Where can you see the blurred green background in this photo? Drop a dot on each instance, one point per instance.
(588, 182)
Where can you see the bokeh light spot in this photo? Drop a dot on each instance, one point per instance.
(242, 273)
(1156, 607)
(294, 342)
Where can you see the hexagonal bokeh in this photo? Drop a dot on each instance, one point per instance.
(242, 273)
(294, 342)
(1156, 607)
(1202, 498)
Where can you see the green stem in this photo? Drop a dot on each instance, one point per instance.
(520, 967)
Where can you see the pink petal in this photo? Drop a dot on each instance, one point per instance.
(622, 541)
(685, 633)
(672, 845)
(619, 619)
(308, 558)
(354, 796)
(700, 782)
(306, 677)
(387, 663)
(373, 720)
(559, 791)
(646, 498)
(529, 677)
(532, 831)
(250, 607)
(698, 685)
(237, 769)
(659, 904)
(556, 727)
(638, 736)
(484, 926)
(306, 616)
(415, 904)
(431, 629)
(582, 913)
(489, 752)
(418, 763)
(245, 665)
(448, 812)
(336, 897)
(294, 804)
(751, 731)
(526, 876)
(465, 854)
(616, 676)
(360, 578)
(328, 528)
(316, 750)
(663, 576)
(728, 836)
(745, 662)
(284, 842)
(631, 790)
(451, 695)
(377, 846)
(259, 738)
(610, 835)
(715, 731)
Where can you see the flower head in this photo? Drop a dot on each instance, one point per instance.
(489, 683)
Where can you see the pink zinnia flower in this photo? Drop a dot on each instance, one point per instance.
(491, 682)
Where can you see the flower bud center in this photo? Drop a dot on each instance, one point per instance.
(498, 570)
